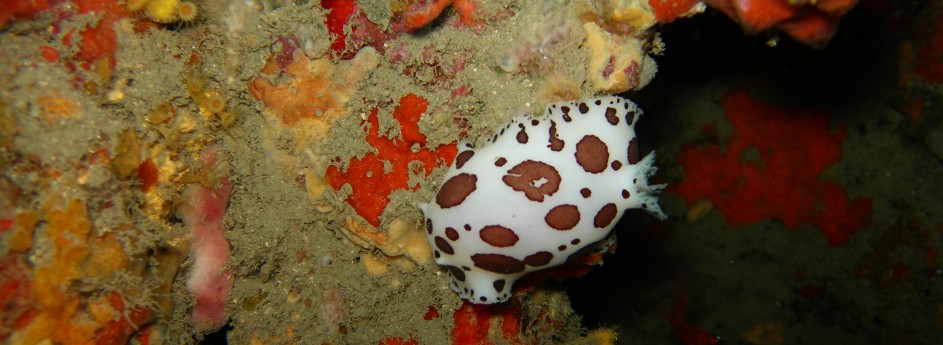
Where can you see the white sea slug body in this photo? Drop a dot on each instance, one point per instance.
(542, 190)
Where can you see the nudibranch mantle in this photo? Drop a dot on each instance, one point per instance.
(541, 191)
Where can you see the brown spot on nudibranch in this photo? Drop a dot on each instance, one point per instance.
(429, 225)
(583, 108)
(500, 162)
(605, 215)
(456, 272)
(633, 151)
(611, 116)
(499, 285)
(592, 154)
(534, 179)
(462, 158)
(451, 234)
(563, 217)
(455, 190)
(498, 236)
(522, 134)
(585, 192)
(538, 259)
(444, 245)
(498, 263)
(556, 144)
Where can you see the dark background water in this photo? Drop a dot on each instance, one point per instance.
(765, 283)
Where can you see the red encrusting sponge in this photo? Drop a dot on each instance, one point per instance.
(771, 169)
(369, 178)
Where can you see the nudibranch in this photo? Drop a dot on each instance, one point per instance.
(541, 191)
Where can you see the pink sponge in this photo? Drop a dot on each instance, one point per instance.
(209, 282)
